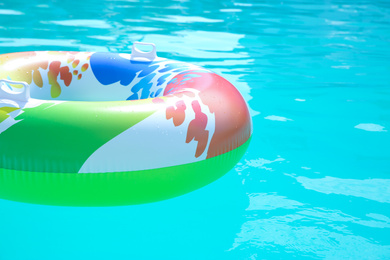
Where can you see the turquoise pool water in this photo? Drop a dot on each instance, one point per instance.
(315, 181)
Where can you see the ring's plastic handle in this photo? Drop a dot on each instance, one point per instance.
(7, 93)
(136, 54)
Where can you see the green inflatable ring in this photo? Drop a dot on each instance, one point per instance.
(104, 129)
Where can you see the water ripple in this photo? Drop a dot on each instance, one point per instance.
(185, 19)
(373, 189)
(82, 23)
(10, 12)
(23, 42)
(371, 127)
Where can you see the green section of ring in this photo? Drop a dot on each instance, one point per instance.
(111, 189)
(60, 137)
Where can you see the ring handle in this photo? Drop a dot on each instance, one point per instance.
(136, 54)
(7, 93)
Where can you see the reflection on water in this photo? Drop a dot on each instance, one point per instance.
(371, 127)
(10, 12)
(306, 224)
(264, 201)
(315, 180)
(271, 238)
(277, 225)
(82, 23)
(373, 189)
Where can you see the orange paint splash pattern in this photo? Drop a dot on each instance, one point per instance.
(177, 114)
(84, 67)
(55, 72)
(55, 69)
(75, 63)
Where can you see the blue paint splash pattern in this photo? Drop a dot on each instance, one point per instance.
(144, 79)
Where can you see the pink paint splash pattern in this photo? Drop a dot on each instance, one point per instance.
(196, 128)
(232, 119)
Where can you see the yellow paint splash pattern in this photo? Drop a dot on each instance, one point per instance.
(4, 112)
(26, 71)
(29, 67)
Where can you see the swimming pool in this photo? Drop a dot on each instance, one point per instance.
(315, 181)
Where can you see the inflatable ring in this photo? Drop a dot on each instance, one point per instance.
(102, 129)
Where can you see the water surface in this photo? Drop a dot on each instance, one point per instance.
(315, 181)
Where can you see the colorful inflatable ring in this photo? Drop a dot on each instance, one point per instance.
(101, 129)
